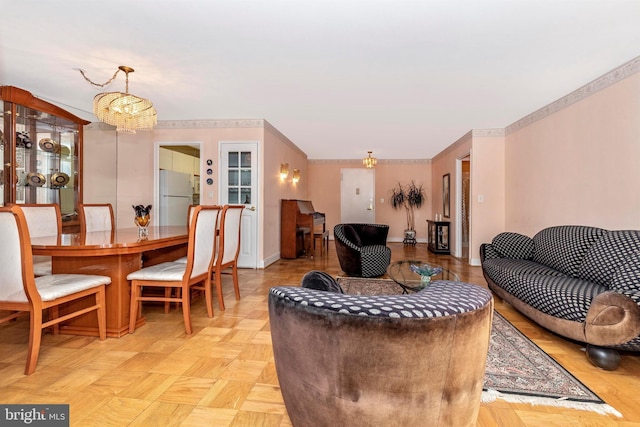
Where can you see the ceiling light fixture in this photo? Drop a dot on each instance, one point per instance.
(369, 161)
(125, 111)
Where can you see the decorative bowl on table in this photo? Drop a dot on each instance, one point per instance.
(426, 272)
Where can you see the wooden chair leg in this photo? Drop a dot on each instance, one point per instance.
(186, 311)
(235, 281)
(102, 313)
(208, 296)
(54, 313)
(35, 338)
(219, 289)
(134, 307)
(167, 304)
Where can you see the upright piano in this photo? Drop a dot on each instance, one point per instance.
(298, 223)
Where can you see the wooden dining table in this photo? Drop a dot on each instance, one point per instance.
(114, 254)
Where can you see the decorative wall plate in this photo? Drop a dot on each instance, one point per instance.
(49, 145)
(59, 179)
(36, 179)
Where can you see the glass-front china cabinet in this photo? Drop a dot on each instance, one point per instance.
(41, 151)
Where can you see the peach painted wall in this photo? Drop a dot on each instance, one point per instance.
(578, 165)
(487, 184)
(325, 185)
(279, 149)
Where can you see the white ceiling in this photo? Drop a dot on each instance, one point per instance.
(403, 78)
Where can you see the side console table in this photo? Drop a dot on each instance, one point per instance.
(438, 237)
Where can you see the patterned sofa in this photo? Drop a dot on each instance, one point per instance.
(580, 282)
(362, 249)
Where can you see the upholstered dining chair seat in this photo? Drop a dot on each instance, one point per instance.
(56, 286)
(182, 260)
(167, 271)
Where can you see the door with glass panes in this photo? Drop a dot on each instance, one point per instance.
(239, 185)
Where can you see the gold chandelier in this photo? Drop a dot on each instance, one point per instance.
(369, 161)
(125, 111)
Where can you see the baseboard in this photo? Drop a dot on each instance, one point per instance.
(268, 261)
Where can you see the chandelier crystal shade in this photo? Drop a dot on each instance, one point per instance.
(369, 161)
(125, 111)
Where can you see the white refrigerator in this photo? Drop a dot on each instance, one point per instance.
(176, 194)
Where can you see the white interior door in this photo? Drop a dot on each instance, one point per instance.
(239, 185)
(357, 196)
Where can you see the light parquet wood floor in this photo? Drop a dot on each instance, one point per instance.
(224, 374)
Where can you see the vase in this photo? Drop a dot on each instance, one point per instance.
(143, 225)
(425, 280)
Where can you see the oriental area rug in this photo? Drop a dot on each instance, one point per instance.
(517, 370)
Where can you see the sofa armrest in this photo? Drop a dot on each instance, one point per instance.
(513, 245)
(612, 319)
(487, 251)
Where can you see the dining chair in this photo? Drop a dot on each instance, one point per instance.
(42, 220)
(184, 258)
(95, 217)
(21, 292)
(228, 249)
(201, 249)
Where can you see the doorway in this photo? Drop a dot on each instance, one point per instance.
(357, 196)
(176, 181)
(238, 184)
(463, 229)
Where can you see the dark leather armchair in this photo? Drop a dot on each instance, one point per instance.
(362, 249)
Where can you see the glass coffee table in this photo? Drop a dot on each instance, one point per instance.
(401, 273)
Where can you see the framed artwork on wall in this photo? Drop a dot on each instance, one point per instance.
(446, 196)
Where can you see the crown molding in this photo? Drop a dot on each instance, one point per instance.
(210, 124)
(488, 133)
(613, 76)
(358, 162)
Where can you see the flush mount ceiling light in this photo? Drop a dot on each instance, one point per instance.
(125, 111)
(369, 161)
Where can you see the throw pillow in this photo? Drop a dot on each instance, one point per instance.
(321, 281)
(352, 235)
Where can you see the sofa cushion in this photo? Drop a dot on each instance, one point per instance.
(614, 251)
(513, 245)
(564, 247)
(559, 296)
(506, 270)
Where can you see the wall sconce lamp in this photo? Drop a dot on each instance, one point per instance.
(296, 176)
(284, 170)
(369, 161)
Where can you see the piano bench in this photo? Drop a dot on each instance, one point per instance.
(304, 233)
(324, 241)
